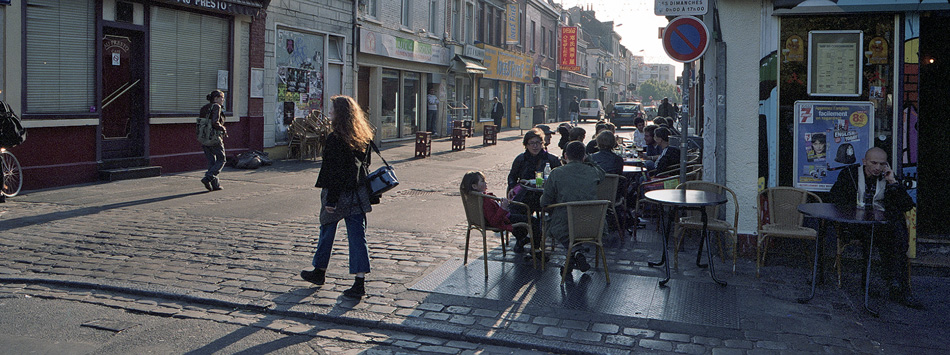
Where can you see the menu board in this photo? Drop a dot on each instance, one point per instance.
(834, 63)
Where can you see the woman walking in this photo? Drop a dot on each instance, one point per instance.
(344, 196)
(214, 148)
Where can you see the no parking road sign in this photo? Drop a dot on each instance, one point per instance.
(685, 39)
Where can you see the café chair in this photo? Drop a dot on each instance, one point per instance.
(585, 225)
(475, 214)
(844, 238)
(784, 220)
(668, 182)
(716, 222)
(607, 190)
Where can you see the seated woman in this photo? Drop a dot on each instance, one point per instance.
(497, 214)
(526, 165)
(565, 131)
(605, 157)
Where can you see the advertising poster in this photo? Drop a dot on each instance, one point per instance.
(829, 136)
(299, 58)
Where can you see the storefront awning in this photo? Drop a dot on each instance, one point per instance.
(576, 87)
(239, 7)
(464, 65)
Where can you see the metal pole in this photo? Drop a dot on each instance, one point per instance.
(684, 125)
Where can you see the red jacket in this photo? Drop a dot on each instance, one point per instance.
(495, 216)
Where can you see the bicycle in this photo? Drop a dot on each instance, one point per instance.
(12, 174)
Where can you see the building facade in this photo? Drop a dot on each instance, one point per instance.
(106, 84)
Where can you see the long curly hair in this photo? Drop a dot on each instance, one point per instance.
(349, 122)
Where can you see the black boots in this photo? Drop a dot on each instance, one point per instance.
(317, 276)
(207, 183)
(358, 290)
(211, 184)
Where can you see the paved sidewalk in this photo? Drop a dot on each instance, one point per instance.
(151, 244)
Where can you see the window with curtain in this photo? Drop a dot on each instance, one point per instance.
(60, 56)
(184, 65)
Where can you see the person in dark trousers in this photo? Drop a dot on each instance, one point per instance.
(574, 110)
(670, 155)
(214, 110)
(666, 108)
(345, 195)
(874, 186)
(497, 111)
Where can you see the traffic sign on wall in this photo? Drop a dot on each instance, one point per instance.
(685, 39)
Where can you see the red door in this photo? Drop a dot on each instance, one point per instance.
(122, 124)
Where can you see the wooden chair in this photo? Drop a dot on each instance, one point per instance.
(784, 219)
(607, 190)
(716, 221)
(475, 214)
(585, 224)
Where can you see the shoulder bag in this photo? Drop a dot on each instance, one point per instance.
(381, 180)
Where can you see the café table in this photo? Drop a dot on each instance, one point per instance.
(845, 215)
(633, 161)
(630, 169)
(686, 199)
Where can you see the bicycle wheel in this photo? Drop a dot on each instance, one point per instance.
(12, 175)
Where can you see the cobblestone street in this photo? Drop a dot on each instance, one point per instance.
(163, 247)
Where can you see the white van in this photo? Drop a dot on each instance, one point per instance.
(591, 109)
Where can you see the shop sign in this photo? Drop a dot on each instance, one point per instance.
(402, 48)
(507, 65)
(829, 136)
(473, 52)
(568, 59)
(574, 78)
(511, 31)
(680, 7)
(229, 7)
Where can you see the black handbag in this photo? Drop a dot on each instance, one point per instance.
(383, 179)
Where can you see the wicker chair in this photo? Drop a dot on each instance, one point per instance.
(784, 219)
(475, 214)
(716, 221)
(585, 224)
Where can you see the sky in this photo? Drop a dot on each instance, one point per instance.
(636, 24)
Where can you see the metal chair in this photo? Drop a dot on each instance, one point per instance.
(585, 224)
(781, 204)
(716, 221)
(475, 214)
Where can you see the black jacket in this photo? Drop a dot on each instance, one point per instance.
(525, 166)
(671, 158)
(497, 110)
(342, 168)
(845, 193)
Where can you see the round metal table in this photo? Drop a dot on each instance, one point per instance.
(846, 215)
(686, 199)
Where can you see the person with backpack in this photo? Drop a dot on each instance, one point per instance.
(210, 132)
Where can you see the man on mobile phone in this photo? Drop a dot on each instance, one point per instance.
(873, 185)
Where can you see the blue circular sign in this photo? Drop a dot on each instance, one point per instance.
(685, 39)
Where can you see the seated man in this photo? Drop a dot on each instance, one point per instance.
(605, 156)
(651, 152)
(575, 181)
(670, 155)
(873, 186)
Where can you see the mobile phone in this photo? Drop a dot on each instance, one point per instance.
(887, 169)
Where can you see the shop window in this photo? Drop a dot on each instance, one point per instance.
(60, 56)
(188, 50)
(300, 74)
(410, 103)
(389, 102)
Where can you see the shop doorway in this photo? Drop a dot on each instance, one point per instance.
(934, 122)
(122, 124)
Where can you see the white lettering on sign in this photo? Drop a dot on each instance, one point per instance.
(680, 7)
(210, 4)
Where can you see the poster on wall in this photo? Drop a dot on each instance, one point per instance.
(829, 136)
(300, 77)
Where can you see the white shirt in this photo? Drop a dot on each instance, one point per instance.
(638, 139)
(433, 102)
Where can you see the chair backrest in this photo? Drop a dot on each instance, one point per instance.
(474, 212)
(585, 219)
(607, 189)
(782, 203)
(714, 211)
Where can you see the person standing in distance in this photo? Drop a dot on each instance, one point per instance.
(432, 112)
(497, 112)
(214, 111)
(574, 110)
(344, 196)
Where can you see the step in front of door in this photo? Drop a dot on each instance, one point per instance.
(130, 173)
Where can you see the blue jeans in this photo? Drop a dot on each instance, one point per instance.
(573, 117)
(355, 233)
(216, 158)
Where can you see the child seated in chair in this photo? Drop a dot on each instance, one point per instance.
(497, 214)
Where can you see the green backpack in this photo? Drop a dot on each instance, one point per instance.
(207, 135)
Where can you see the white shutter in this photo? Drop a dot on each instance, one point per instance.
(60, 56)
(187, 50)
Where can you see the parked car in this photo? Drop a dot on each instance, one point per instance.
(650, 112)
(591, 109)
(625, 113)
